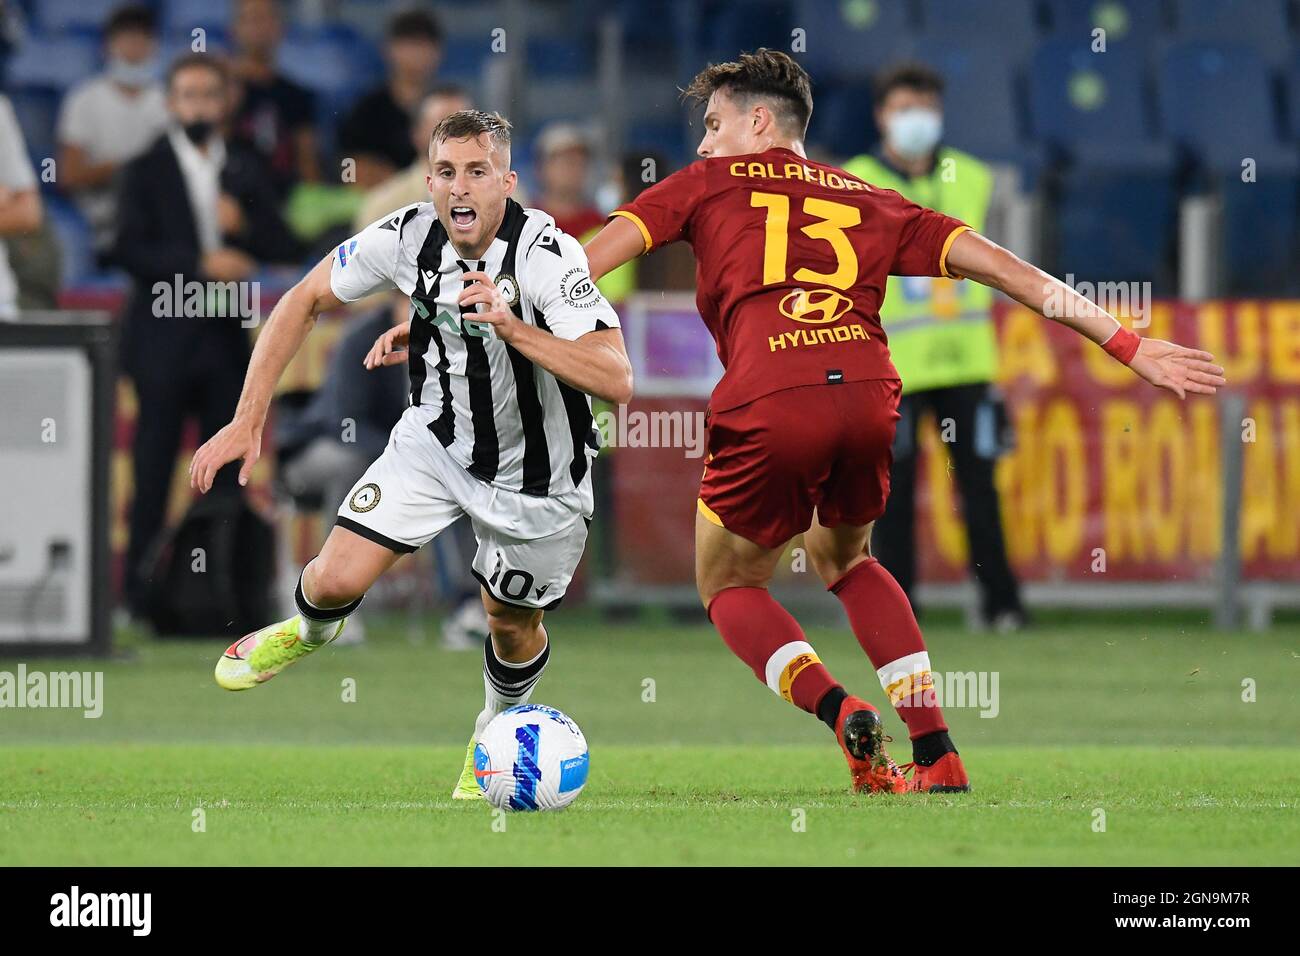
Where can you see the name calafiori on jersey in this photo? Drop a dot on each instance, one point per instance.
(802, 171)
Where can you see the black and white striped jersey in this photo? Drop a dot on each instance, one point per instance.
(504, 419)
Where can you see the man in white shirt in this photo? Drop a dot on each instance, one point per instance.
(20, 202)
(111, 118)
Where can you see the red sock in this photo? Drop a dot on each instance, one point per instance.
(763, 634)
(883, 622)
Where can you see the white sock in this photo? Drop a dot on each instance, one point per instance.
(507, 684)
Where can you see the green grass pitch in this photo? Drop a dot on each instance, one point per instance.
(1137, 723)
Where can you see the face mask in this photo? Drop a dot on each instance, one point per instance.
(135, 75)
(198, 131)
(913, 133)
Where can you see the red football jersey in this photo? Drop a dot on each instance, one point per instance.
(792, 257)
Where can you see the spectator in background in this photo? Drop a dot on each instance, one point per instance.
(20, 202)
(275, 114)
(942, 342)
(377, 130)
(192, 208)
(110, 119)
(410, 185)
(564, 177)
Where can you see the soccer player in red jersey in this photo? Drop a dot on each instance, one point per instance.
(792, 259)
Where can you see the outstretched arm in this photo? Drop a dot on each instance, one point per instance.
(1163, 364)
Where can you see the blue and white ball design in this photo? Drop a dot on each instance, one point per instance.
(531, 757)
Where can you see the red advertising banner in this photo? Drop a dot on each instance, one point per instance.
(1105, 467)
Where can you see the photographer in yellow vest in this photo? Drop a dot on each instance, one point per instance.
(943, 343)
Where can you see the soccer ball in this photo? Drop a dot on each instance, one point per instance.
(531, 757)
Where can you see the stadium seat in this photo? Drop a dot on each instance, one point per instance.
(570, 55)
(37, 110)
(1293, 98)
(182, 16)
(842, 122)
(59, 16)
(463, 57)
(1261, 24)
(1137, 22)
(333, 61)
(1116, 226)
(1217, 101)
(52, 62)
(1007, 29)
(981, 102)
(74, 239)
(1085, 101)
(851, 40)
(729, 27)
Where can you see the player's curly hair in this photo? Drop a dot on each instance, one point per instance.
(466, 124)
(764, 74)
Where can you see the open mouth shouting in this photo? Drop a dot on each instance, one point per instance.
(463, 218)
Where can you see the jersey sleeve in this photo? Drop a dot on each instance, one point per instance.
(924, 241)
(663, 212)
(367, 262)
(557, 282)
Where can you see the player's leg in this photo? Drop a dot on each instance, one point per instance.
(329, 589)
(884, 625)
(893, 538)
(520, 579)
(396, 506)
(732, 575)
(838, 544)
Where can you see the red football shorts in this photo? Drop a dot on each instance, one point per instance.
(824, 447)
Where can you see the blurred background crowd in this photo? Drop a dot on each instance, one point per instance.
(1144, 141)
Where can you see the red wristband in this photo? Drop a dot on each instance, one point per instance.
(1122, 345)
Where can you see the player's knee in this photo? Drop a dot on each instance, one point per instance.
(512, 628)
(328, 584)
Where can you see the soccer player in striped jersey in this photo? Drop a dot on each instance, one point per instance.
(508, 339)
(792, 257)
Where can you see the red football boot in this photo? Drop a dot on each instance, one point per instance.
(862, 739)
(945, 775)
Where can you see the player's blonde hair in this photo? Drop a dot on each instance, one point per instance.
(471, 124)
(764, 74)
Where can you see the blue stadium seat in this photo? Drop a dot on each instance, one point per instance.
(333, 61)
(1217, 101)
(53, 62)
(1293, 98)
(851, 40)
(37, 110)
(570, 55)
(1137, 22)
(182, 16)
(730, 27)
(842, 121)
(1114, 227)
(74, 238)
(666, 137)
(1080, 100)
(463, 57)
(57, 16)
(1261, 24)
(981, 105)
(1008, 29)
